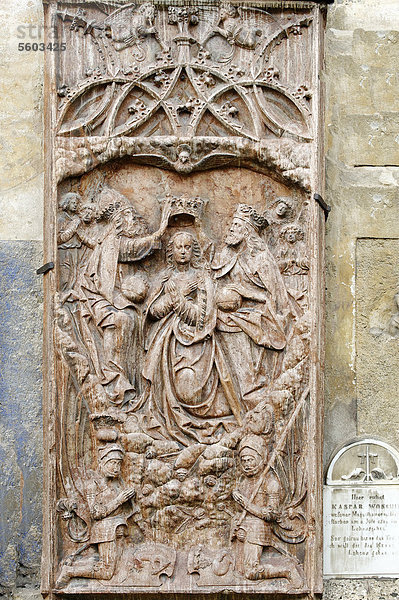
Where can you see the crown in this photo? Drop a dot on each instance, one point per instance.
(185, 205)
(111, 203)
(250, 215)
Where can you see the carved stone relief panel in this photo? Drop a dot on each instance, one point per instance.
(183, 327)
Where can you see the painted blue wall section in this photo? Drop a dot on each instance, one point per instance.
(20, 412)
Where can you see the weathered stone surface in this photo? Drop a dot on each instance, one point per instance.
(21, 201)
(186, 301)
(343, 412)
(346, 589)
(352, 589)
(367, 197)
(354, 86)
(361, 103)
(366, 14)
(369, 139)
(28, 593)
(20, 413)
(383, 590)
(21, 121)
(377, 350)
(364, 99)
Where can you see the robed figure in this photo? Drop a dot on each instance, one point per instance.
(254, 310)
(111, 289)
(190, 389)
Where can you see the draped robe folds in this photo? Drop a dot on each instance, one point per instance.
(103, 305)
(259, 325)
(191, 390)
(68, 245)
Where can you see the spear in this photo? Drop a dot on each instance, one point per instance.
(279, 446)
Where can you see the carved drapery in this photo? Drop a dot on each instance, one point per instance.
(184, 313)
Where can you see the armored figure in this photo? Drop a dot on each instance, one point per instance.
(110, 507)
(259, 493)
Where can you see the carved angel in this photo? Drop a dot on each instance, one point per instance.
(128, 26)
(232, 27)
(68, 240)
(184, 162)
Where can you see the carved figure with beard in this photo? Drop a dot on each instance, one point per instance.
(253, 305)
(110, 296)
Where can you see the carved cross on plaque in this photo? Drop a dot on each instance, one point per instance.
(184, 313)
(368, 458)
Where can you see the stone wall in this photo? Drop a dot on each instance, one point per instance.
(362, 270)
(362, 170)
(21, 201)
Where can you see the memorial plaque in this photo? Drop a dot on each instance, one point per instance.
(361, 512)
(184, 312)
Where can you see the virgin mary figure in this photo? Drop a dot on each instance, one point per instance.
(191, 394)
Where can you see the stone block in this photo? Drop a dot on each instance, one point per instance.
(377, 350)
(362, 88)
(367, 14)
(346, 589)
(375, 48)
(27, 594)
(21, 210)
(369, 139)
(384, 590)
(355, 589)
(21, 120)
(339, 424)
(20, 411)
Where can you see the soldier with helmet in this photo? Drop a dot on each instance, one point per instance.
(110, 507)
(259, 494)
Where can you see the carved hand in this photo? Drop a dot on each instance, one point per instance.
(174, 294)
(75, 223)
(189, 288)
(126, 495)
(267, 514)
(238, 497)
(66, 234)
